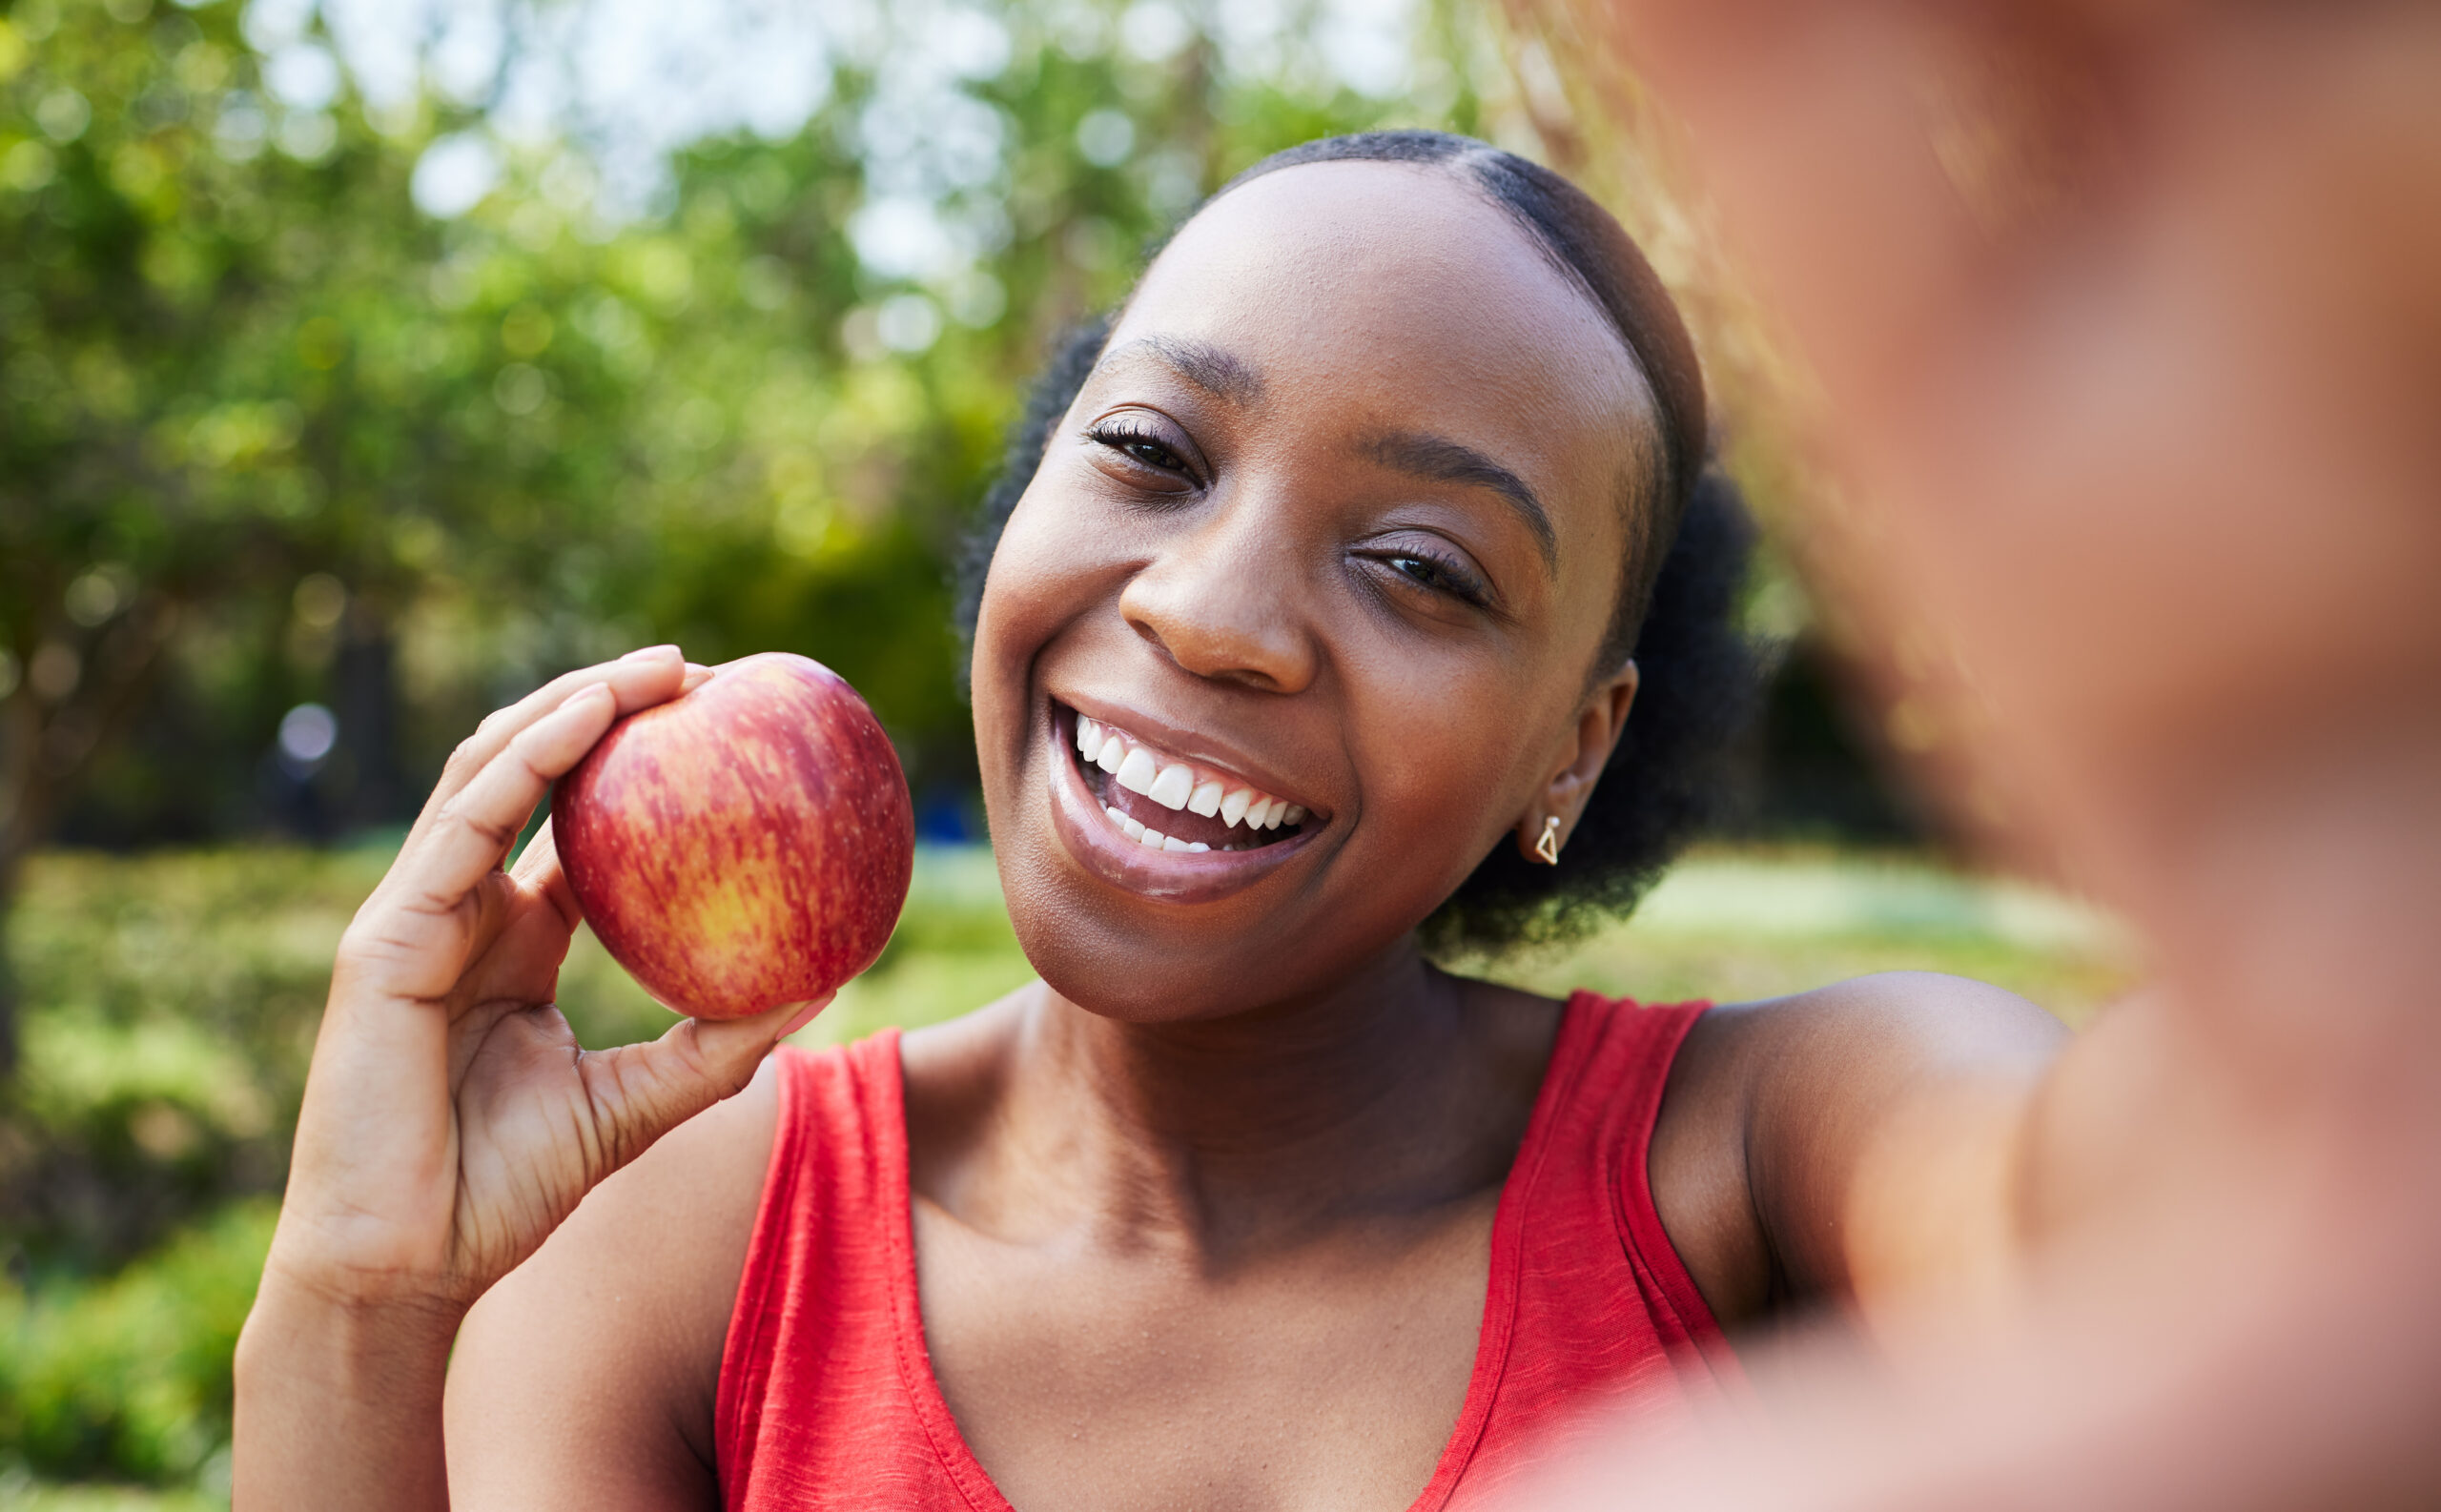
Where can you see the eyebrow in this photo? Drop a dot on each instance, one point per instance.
(1443, 461)
(1220, 373)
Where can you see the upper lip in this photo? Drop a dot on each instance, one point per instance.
(1193, 744)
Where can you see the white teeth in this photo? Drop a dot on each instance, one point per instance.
(1174, 786)
(1171, 788)
(1136, 773)
(1152, 838)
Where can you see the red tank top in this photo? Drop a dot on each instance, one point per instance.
(827, 1395)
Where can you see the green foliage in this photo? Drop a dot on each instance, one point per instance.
(170, 1009)
(130, 1377)
(268, 433)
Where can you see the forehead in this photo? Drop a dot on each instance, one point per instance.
(1397, 293)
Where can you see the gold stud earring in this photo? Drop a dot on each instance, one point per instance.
(1549, 846)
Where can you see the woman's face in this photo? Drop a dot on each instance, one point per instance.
(1336, 526)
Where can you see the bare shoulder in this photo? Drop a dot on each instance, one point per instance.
(1891, 1021)
(588, 1377)
(1767, 1101)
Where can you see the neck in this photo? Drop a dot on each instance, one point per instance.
(1373, 1096)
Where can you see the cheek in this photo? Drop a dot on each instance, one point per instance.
(1045, 573)
(1451, 747)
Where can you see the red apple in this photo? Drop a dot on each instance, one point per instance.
(744, 845)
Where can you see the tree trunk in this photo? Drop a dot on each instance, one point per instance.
(8, 999)
(367, 696)
(21, 796)
(48, 742)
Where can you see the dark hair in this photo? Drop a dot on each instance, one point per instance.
(1688, 543)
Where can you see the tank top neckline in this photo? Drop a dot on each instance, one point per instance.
(1492, 1339)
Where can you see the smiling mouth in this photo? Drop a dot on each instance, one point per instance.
(1168, 803)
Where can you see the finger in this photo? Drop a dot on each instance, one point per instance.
(639, 680)
(515, 953)
(536, 848)
(639, 1093)
(539, 859)
(697, 675)
(473, 830)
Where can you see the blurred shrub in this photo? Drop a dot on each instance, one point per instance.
(171, 1001)
(130, 1377)
(170, 1006)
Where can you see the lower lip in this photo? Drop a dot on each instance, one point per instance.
(1172, 876)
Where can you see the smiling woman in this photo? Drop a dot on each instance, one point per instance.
(1673, 583)
(1353, 588)
(1675, 591)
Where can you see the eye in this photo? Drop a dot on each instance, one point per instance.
(1435, 573)
(1141, 445)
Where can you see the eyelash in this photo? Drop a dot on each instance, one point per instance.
(1455, 580)
(1124, 438)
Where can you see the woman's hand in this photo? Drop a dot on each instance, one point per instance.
(451, 1121)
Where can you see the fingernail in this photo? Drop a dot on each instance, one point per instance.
(803, 1018)
(641, 653)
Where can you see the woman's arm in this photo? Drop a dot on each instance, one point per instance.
(586, 1379)
(1865, 1141)
(450, 1121)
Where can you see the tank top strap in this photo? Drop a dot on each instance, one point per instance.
(1621, 1060)
(814, 1407)
(1588, 1301)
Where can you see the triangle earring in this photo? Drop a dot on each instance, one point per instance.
(1549, 846)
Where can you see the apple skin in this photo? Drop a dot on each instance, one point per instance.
(745, 845)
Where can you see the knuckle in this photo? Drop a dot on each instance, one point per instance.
(526, 747)
(465, 817)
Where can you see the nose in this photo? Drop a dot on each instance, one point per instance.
(1222, 601)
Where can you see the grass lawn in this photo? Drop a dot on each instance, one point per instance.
(170, 1005)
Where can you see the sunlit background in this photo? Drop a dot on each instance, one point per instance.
(363, 365)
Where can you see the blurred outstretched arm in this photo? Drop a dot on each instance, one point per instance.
(2125, 319)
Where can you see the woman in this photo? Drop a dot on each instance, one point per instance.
(1352, 518)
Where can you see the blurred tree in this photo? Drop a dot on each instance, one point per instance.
(391, 401)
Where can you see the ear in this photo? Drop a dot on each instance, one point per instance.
(1580, 760)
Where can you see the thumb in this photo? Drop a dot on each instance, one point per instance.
(652, 1088)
